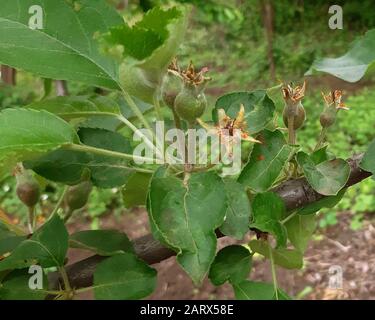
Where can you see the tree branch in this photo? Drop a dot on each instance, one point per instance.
(295, 193)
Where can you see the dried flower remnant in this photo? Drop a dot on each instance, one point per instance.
(333, 103)
(230, 131)
(294, 114)
(333, 98)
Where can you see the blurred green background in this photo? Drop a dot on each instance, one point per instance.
(230, 38)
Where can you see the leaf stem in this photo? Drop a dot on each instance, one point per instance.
(176, 118)
(291, 131)
(275, 88)
(84, 289)
(104, 152)
(59, 201)
(321, 138)
(65, 278)
(51, 292)
(139, 133)
(68, 215)
(31, 222)
(292, 215)
(273, 270)
(135, 109)
(157, 107)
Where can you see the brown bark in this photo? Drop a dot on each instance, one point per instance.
(8, 75)
(295, 193)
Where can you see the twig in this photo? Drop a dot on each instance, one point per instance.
(295, 193)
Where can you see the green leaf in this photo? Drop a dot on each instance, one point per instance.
(238, 212)
(233, 264)
(148, 47)
(122, 277)
(354, 64)
(4, 231)
(15, 286)
(259, 108)
(134, 192)
(65, 48)
(185, 217)
(326, 202)
(266, 162)
(320, 155)
(268, 210)
(252, 290)
(128, 112)
(27, 134)
(67, 166)
(47, 247)
(286, 258)
(72, 107)
(102, 242)
(328, 177)
(8, 244)
(300, 229)
(368, 160)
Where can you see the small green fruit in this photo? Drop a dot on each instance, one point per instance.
(27, 189)
(299, 118)
(328, 117)
(138, 82)
(171, 87)
(190, 104)
(77, 196)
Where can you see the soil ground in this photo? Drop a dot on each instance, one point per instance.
(337, 247)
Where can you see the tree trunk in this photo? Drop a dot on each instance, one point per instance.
(8, 75)
(267, 16)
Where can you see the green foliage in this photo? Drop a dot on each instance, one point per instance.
(326, 202)
(29, 133)
(238, 212)
(15, 286)
(328, 177)
(102, 202)
(346, 137)
(354, 64)
(233, 264)
(187, 204)
(252, 290)
(47, 247)
(268, 210)
(286, 258)
(300, 229)
(266, 162)
(123, 276)
(368, 161)
(182, 225)
(259, 108)
(135, 189)
(9, 242)
(148, 48)
(45, 52)
(69, 167)
(102, 242)
(78, 106)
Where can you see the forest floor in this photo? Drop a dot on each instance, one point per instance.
(335, 248)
